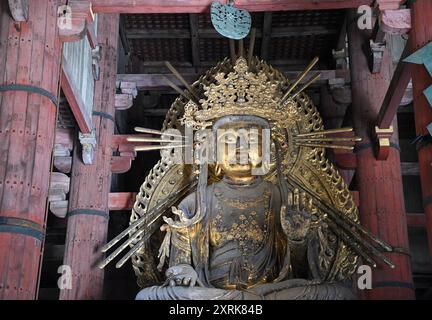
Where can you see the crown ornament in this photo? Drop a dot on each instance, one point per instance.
(252, 93)
(241, 92)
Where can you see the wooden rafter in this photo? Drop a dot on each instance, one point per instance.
(199, 6)
(395, 93)
(156, 81)
(123, 38)
(195, 33)
(194, 36)
(266, 34)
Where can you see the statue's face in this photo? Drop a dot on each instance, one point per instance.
(239, 148)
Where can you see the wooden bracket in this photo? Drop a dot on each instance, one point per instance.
(76, 21)
(394, 22)
(376, 55)
(62, 150)
(88, 142)
(383, 142)
(124, 151)
(59, 188)
(423, 56)
(19, 10)
(340, 58)
(129, 91)
(96, 57)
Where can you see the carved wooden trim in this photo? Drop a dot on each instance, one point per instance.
(19, 10)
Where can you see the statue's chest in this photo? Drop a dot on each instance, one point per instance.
(241, 220)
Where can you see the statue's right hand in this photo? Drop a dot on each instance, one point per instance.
(181, 275)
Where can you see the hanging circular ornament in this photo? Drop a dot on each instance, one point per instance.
(230, 22)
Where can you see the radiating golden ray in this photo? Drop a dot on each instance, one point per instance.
(232, 51)
(251, 45)
(137, 139)
(355, 139)
(122, 247)
(324, 132)
(300, 78)
(153, 131)
(181, 79)
(151, 148)
(130, 253)
(306, 85)
(318, 145)
(157, 209)
(178, 90)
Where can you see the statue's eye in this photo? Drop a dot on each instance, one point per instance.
(231, 138)
(253, 137)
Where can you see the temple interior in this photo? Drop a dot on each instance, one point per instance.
(126, 48)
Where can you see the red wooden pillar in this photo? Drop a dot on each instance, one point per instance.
(381, 199)
(421, 34)
(90, 184)
(29, 56)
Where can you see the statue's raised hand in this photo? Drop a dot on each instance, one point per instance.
(182, 275)
(296, 217)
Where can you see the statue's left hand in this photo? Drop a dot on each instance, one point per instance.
(296, 218)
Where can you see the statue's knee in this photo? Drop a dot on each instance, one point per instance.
(149, 293)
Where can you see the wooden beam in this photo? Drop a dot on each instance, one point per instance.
(155, 81)
(200, 6)
(157, 112)
(193, 24)
(30, 54)
(398, 85)
(87, 229)
(266, 35)
(118, 201)
(119, 142)
(416, 220)
(420, 35)
(355, 195)
(124, 41)
(395, 22)
(124, 151)
(74, 99)
(91, 37)
(382, 209)
(345, 160)
(390, 4)
(195, 33)
(410, 168)
(162, 33)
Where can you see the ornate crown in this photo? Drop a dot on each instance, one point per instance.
(240, 92)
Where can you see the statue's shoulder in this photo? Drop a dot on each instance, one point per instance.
(187, 205)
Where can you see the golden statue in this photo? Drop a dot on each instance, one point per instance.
(281, 226)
